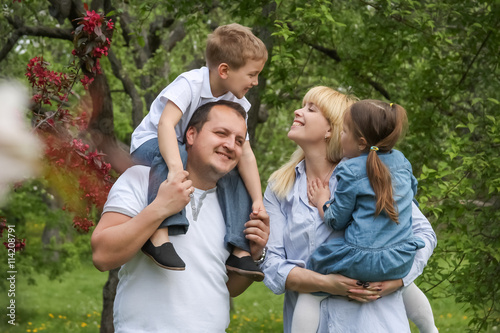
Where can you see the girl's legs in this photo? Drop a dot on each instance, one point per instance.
(306, 313)
(418, 309)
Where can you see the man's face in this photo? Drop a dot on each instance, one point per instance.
(216, 149)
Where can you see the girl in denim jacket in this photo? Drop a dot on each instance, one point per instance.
(372, 203)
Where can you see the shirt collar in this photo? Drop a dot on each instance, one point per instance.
(300, 168)
(206, 92)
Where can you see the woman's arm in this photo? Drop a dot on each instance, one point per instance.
(423, 229)
(276, 266)
(283, 272)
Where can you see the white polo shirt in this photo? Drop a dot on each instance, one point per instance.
(188, 91)
(152, 299)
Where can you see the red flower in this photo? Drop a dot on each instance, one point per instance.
(19, 244)
(82, 224)
(91, 21)
(86, 81)
(110, 25)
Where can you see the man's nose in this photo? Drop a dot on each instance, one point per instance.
(229, 143)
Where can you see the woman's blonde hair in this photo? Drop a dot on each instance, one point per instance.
(332, 105)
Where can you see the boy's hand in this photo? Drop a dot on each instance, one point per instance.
(173, 174)
(257, 206)
(318, 193)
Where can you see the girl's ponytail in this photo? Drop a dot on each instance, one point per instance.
(380, 180)
(381, 125)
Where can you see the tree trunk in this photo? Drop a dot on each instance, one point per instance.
(108, 297)
(256, 115)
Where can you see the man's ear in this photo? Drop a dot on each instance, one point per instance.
(362, 144)
(190, 136)
(223, 70)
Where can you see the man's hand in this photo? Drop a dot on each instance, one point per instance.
(257, 232)
(173, 194)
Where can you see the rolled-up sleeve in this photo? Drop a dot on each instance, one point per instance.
(423, 229)
(276, 266)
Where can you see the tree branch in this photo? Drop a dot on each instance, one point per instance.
(475, 57)
(333, 54)
(128, 85)
(10, 44)
(65, 34)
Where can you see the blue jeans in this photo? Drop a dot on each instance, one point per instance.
(234, 200)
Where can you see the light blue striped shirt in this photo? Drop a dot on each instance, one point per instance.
(297, 230)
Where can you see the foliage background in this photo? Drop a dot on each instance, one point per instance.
(438, 59)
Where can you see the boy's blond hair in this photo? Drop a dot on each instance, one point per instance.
(234, 45)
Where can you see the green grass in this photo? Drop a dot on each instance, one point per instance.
(74, 305)
(71, 305)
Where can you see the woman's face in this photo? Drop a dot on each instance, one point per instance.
(309, 125)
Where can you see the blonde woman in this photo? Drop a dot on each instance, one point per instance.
(297, 230)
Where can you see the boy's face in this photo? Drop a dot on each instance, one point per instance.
(240, 81)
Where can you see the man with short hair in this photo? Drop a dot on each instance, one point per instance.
(152, 299)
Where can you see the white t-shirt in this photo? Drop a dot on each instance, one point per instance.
(153, 299)
(188, 91)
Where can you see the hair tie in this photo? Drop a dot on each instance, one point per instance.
(391, 105)
(374, 148)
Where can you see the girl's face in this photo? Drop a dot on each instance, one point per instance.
(309, 125)
(350, 144)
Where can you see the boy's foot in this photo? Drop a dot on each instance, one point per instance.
(244, 266)
(164, 255)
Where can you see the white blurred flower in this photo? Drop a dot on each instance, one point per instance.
(20, 149)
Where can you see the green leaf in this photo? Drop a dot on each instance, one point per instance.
(141, 41)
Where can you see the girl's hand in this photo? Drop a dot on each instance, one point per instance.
(318, 194)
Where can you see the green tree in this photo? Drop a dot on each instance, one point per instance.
(439, 60)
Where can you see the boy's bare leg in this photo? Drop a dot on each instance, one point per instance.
(160, 237)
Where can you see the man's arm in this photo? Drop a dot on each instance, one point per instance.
(257, 232)
(118, 237)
